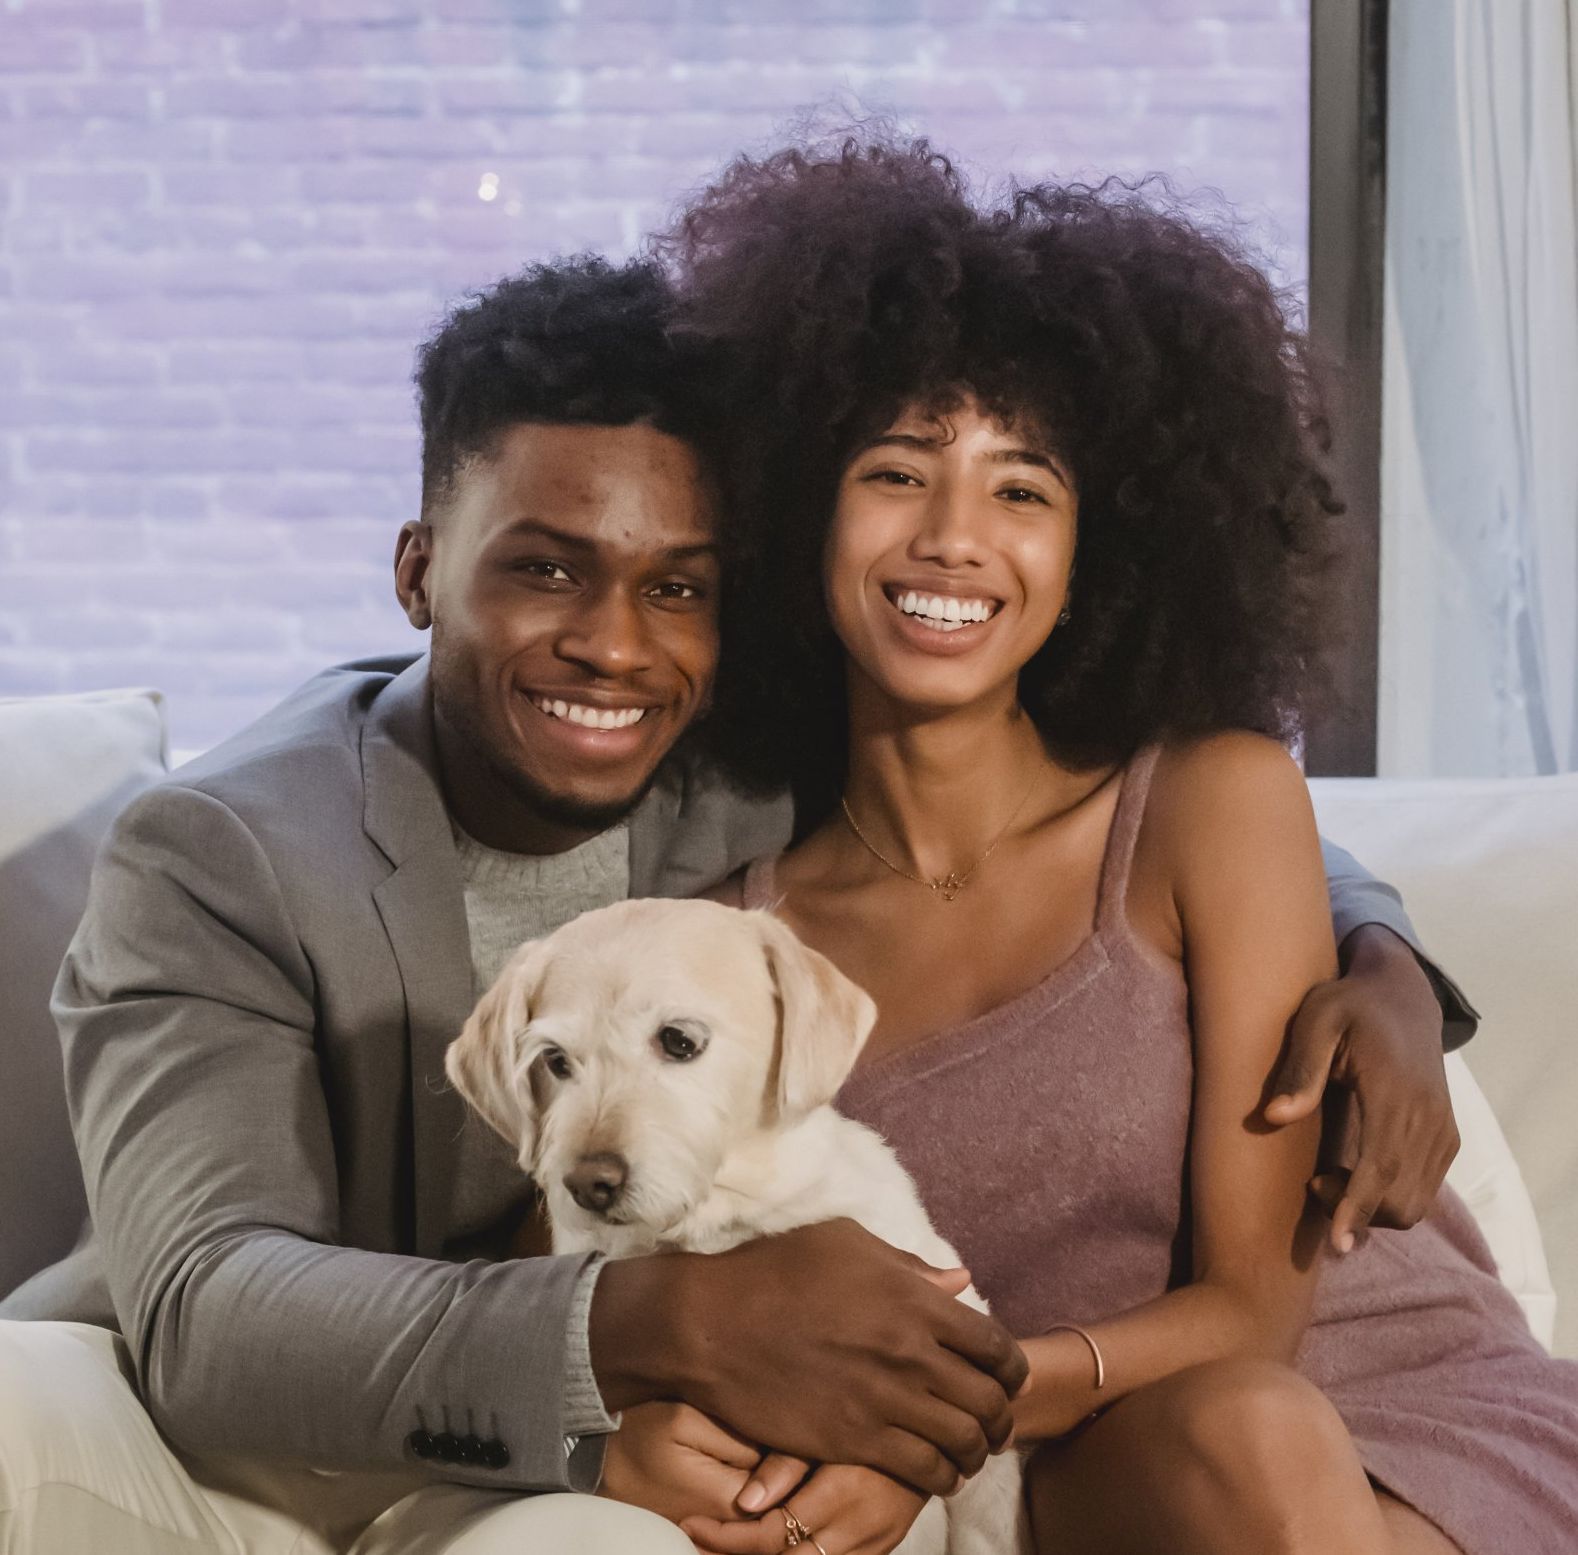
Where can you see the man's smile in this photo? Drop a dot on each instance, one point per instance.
(589, 715)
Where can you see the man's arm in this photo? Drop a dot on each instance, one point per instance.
(187, 1009)
(1377, 1032)
(1359, 900)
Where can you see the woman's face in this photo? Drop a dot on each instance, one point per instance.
(949, 555)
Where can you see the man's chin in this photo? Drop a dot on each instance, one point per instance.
(578, 812)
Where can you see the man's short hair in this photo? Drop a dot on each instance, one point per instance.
(571, 341)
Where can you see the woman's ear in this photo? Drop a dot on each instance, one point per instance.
(483, 1062)
(823, 1019)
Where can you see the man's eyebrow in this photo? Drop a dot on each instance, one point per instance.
(536, 529)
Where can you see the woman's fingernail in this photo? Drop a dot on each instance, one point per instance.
(751, 1498)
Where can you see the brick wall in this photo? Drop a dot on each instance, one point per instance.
(225, 223)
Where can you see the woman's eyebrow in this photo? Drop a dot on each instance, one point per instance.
(1030, 456)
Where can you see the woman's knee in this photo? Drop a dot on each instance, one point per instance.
(1248, 1428)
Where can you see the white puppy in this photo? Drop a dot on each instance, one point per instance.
(665, 1070)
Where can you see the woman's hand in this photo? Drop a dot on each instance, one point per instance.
(1376, 1032)
(677, 1462)
(850, 1510)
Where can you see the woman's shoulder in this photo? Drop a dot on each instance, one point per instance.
(1224, 790)
(1202, 772)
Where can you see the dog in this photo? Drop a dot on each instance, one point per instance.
(665, 1071)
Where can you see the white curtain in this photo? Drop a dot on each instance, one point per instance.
(1479, 481)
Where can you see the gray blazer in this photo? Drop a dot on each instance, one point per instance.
(254, 1014)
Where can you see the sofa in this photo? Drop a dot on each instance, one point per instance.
(1488, 868)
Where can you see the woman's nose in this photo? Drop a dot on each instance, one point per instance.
(949, 531)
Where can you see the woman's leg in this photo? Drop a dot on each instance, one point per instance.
(1232, 1455)
(1411, 1533)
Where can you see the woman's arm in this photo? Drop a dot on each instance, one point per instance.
(1231, 827)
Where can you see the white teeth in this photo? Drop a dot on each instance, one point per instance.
(945, 611)
(591, 717)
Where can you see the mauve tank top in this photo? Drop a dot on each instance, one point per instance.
(1049, 1139)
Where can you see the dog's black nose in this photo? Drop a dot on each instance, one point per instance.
(595, 1181)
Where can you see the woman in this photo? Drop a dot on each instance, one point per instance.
(1035, 576)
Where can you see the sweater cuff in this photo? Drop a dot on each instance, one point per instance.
(583, 1412)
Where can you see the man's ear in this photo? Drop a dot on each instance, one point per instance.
(413, 557)
(483, 1062)
(823, 1019)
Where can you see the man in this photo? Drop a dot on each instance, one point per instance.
(299, 1233)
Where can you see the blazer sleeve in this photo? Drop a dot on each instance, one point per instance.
(1357, 898)
(186, 1007)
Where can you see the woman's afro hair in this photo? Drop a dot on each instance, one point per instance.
(841, 286)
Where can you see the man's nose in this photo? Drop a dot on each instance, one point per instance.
(608, 636)
(596, 1181)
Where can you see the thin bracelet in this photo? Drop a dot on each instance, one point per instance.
(1095, 1349)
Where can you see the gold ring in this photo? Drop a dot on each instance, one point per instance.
(796, 1532)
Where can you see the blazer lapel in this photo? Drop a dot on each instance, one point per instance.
(422, 905)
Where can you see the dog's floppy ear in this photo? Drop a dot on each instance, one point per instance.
(823, 1019)
(483, 1061)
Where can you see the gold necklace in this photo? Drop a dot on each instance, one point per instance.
(947, 886)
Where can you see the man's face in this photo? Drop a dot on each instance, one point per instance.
(571, 580)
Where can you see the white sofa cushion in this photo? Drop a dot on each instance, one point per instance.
(67, 766)
(1488, 869)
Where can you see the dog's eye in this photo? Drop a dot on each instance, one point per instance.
(679, 1045)
(557, 1062)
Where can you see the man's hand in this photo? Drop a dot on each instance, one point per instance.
(1376, 1032)
(852, 1510)
(674, 1461)
(825, 1341)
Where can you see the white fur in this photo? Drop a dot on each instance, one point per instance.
(740, 1141)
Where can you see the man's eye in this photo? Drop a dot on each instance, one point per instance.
(677, 1044)
(550, 572)
(674, 589)
(557, 1062)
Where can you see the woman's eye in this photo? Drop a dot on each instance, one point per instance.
(892, 478)
(1021, 494)
(557, 1062)
(678, 1045)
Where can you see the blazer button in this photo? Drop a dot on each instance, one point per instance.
(421, 1444)
(446, 1447)
(470, 1449)
(495, 1455)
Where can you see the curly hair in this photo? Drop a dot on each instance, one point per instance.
(574, 340)
(1148, 353)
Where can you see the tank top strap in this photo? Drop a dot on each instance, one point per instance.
(1116, 863)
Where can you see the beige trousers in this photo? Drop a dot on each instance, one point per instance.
(83, 1471)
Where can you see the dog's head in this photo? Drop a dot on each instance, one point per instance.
(628, 1053)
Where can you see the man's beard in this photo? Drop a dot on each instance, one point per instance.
(565, 809)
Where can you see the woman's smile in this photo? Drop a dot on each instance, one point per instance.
(952, 539)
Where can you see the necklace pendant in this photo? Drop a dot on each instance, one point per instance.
(949, 885)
